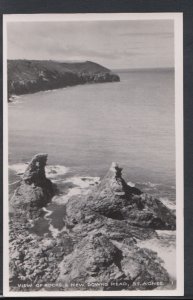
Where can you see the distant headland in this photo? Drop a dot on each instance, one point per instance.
(30, 76)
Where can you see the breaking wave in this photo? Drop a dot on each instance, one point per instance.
(51, 171)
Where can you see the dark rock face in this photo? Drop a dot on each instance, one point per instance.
(115, 199)
(35, 172)
(30, 76)
(35, 190)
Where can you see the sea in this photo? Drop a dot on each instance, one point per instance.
(85, 128)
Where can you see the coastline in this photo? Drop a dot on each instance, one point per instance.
(31, 76)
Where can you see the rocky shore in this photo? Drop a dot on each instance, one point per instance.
(30, 76)
(98, 248)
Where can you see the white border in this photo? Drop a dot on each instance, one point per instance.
(178, 41)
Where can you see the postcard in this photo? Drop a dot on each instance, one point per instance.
(93, 154)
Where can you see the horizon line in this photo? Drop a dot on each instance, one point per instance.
(111, 68)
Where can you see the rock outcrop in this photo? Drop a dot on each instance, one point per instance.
(98, 263)
(30, 76)
(35, 190)
(115, 199)
(106, 226)
(98, 247)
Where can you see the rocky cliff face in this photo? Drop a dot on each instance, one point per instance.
(98, 249)
(30, 76)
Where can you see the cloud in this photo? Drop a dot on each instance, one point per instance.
(116, 44)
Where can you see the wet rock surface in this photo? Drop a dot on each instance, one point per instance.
(98, 247)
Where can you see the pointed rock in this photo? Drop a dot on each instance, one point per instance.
(35, 172)
(95, 257)
(35, 190)
(116, 183)
(115, 199)
(112, 194)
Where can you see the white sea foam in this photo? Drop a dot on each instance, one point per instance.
(166, 233)
(84, 182)
(14, 182)
(48, 213)
(18, 168)
(130, 183)
(54, 231)
(14, 103)
(152, 185)
(57, 170)
(51, 171)
(168, 203)
(149, 184)
(15, 100)
(165, 247)
(82, 185)
(63, 199)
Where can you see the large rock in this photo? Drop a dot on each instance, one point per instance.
(115, 199)
(100, 264)
(35, 190)
(106, 227)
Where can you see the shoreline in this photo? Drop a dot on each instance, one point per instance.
(29, 76)
(13, 97)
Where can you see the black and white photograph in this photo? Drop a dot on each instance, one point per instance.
(93, 148)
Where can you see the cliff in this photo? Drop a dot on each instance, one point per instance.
(98, 248)
(30, 76)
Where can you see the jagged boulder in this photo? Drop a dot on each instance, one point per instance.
(94, 259)
(35, 190)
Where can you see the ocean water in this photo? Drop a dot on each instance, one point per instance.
(86, 127)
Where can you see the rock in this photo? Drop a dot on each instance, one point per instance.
(97, 263)
(99, 248)
(115, 199)
(35, 190)
(106, 226)
(93, 257)
(112, 194)
(35, 172)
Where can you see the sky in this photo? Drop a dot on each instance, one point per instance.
(118, 44)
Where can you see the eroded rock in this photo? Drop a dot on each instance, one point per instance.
(101, 264)
(115, 199)
(35, 190)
